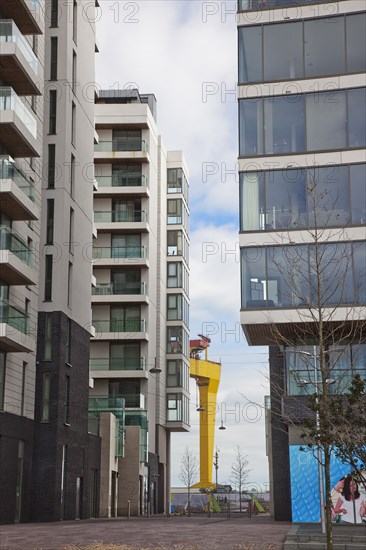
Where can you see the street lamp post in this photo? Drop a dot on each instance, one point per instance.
(216, 465)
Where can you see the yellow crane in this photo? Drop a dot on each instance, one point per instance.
(207, 375)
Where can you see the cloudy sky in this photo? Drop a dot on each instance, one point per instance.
(184, 51)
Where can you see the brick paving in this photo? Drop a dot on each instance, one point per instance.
(256, 533)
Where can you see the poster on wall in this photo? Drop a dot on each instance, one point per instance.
(348, 493)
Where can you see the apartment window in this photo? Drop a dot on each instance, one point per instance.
(34, 103)
(63, 480)
(71, 232)
(73, 123)
(2, 379)
(74, 66)
(35, 43)
(175, 177)
(175, 211)
(67, 400)
(74, 20)
(69, 284)
(54, 13)
(22, 401)
(19, 482)
(177, 373)
(126, 246)
(125, 356)
(125, 319)
(68, 341)
(53, 57)
(124, 175)
(47, 353)
(51, 166)
(130, 390)
(53, 111)
(178, 309)
(72, 175)
(127, 140)
(177, 408)
(50, 221)
(177, 340)
(48, 278)
(305, 122)
(126, 281)
(46, 390)
(175, 272)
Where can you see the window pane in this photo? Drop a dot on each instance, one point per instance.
(332, 269)
(251, 201)
(251, 127)
(359, 262)
(358, 193)
(324, 46)
(287, 279)
(326, 120)
(253, 269)
(357, 117)
(285, 199)
(283, 56)
(356, 42)
(250, 54)
(284, 124)
(328, 196)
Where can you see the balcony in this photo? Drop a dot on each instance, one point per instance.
(112, 220)
(104, 256)
(14, 329)
(122, 185)
(18, 127)
(108, 404)
(112, 367)
(18, 62)
(26, 14)
(15, 259)
(112, 292)
(114, 329)
(119, 150)
(17, 192)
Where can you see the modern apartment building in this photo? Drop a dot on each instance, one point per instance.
(302, 164)
(139, 361)
(49, 462)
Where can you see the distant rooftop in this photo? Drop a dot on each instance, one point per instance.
(127, 96)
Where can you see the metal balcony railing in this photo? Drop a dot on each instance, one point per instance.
(110, 252)
(116, 325)
(14, 316)
(10, 101)
(110, 289)
(116, 363)
(120, 145)
(120, 216)
(9, 32)
(9, 169)
(122, 180)
(9, 240)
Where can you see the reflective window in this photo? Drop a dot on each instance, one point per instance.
(358, 193)
(326, 120)
(290, 276)
(251, 127)
(298, 198)
(282, 62)
(250, 54)
(356, 117)
(356, 42)
(325, 51)
(284, 124)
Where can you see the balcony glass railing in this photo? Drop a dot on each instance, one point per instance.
(9, 240)
(110, 289)
(9, 32)
(258, 5)
(110, 252)
(115, 325)
(110, 404)
(120, 145)
(123, 216)
(10, 101)
(9, 170)
(117, 363)
(122, 180)
(13, 316)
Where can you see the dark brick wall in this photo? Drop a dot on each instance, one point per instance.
(83, 451)
(14, 428)
(281, 489)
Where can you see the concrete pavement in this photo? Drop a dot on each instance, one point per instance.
(201, 533)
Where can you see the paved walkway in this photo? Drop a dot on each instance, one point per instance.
(237, 533)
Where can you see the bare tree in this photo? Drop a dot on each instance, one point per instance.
(239, 472)
(188, 473)
(326, 295)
